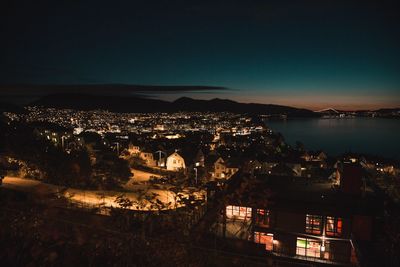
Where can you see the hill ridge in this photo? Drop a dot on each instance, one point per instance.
(136, 104)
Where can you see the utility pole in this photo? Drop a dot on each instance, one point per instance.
(195, 171)
(159, 156)
(117, 143)
(63, 142)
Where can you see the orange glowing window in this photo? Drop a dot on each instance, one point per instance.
(333, 226)
(263, 217)
(264, 238)
(238, 213)
(313, 224)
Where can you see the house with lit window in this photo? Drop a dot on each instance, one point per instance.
(222, 169)
(301, 221)
(314, 156)
(219, 169)
(252, 166)
(133, 149)
(175, 162)
(148, 158)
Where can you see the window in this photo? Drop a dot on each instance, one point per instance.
(312, 248)
(308, 247)
(174, 161)
(263, 217)
(264, 238)
(238, 213)
(333, 226)
(314, 224)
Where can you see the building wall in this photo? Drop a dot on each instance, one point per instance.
(148, 158)
(362, 227)
(285, 244)
(219, 169)
(175, 162)
(340, 251)
(291, 222)
(134, 150)
(288, 227)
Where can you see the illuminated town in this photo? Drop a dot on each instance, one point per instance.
(227, 182)
(200, 133)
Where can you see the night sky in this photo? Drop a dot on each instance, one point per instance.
(314, 54)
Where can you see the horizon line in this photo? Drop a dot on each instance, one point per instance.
(319, 108)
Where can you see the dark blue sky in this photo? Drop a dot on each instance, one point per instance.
(302, 53)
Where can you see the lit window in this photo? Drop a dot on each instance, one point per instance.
(314, 224)
(333, 226)
(263, 217)
(264, 238)
(238, 213)
(312, 248)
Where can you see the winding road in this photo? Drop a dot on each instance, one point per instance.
(144, 197)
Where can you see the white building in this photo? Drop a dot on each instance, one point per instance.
(222, 170)
(175, 162)
(133, 150)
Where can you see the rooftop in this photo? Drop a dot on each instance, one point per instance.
(305, 194)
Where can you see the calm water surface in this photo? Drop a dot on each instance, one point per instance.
(374, 136)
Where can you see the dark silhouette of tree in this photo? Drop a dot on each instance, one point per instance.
(300, 146)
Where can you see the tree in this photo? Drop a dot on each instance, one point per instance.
(299, 146)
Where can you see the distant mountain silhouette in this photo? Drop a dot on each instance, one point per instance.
(137, 104)
(217, 105)
(111, 103)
